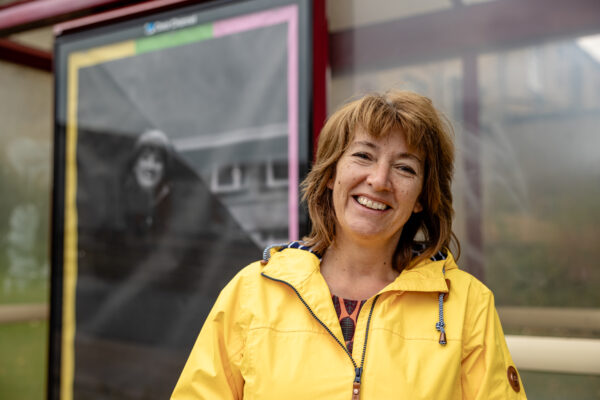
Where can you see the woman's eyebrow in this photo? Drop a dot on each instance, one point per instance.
(405, 154)
(365, 143)
(401, 155)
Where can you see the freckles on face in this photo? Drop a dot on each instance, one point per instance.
(376, 186)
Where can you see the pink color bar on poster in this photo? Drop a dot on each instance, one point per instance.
(255, 20)
(289, 15)
(293, 206)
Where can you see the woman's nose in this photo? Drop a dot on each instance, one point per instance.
(379, 177)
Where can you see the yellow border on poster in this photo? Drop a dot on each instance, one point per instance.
(76, 61)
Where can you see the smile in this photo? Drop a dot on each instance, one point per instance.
(374, 205)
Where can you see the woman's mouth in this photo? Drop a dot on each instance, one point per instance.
(372, 204)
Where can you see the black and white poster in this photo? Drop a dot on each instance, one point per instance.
(182, 138)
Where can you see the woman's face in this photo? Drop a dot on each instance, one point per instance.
(376, 188)
(149, 168)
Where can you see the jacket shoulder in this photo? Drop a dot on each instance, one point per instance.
(250, 271)
(242, 281)
(464, 280)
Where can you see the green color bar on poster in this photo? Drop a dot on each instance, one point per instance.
(172, 39)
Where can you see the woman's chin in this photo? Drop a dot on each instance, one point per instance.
(369, 234)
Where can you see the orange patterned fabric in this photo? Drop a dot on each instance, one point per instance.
(347, 312)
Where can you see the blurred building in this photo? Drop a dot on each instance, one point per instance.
(519, 80)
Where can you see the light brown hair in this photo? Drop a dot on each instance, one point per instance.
(427, 131)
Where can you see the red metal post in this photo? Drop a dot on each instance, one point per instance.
(25, 15)
(20, 54)
(320, 53)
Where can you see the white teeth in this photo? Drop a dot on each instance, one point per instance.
(375, 205)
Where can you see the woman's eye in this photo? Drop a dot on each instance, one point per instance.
(362, 155)
(407, 168)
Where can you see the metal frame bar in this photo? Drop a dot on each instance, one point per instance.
(587, 319)
(25, 15)
(555, 354)
(120, 14)
(20, 54)
(460, 30)
(320, 45)
(12, 313)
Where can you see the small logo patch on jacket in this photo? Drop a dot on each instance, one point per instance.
(513, 378)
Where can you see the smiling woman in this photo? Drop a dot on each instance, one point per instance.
(360, 306)
(375, 190)
(425, 147)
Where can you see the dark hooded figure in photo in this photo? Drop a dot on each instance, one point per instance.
(146, 185)
(155, 247)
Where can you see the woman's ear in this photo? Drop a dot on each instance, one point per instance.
(331, 181)
(418, 207)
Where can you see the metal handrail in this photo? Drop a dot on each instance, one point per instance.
(10, 313)
(551, 317)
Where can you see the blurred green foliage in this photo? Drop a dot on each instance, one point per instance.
(24, 221)
(23, 347)
(24, 263)
(544, 253)
(524, 274)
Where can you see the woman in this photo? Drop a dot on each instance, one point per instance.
(371, 305)
(147, 188)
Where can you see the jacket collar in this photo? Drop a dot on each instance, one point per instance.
(427, 276)
(293, 266)
(299, 267)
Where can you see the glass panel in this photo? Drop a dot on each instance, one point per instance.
(25, 173)
(541, 168)
(551, 386)
(41, 38)
(348, 14)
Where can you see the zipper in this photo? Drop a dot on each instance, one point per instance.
(357, 370)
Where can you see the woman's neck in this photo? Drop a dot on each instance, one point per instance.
(357, 272)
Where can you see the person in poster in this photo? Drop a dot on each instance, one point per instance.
(149, 268)
(146, 188)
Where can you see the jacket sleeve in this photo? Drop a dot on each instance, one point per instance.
(488, 371)
(212, 370)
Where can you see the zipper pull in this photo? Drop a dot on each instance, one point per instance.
(356, 384)
(356, 391)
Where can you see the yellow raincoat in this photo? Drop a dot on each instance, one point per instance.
(273, 334)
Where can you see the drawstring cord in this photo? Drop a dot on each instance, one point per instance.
(288, 245)
(440, 324)
(267, 251)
